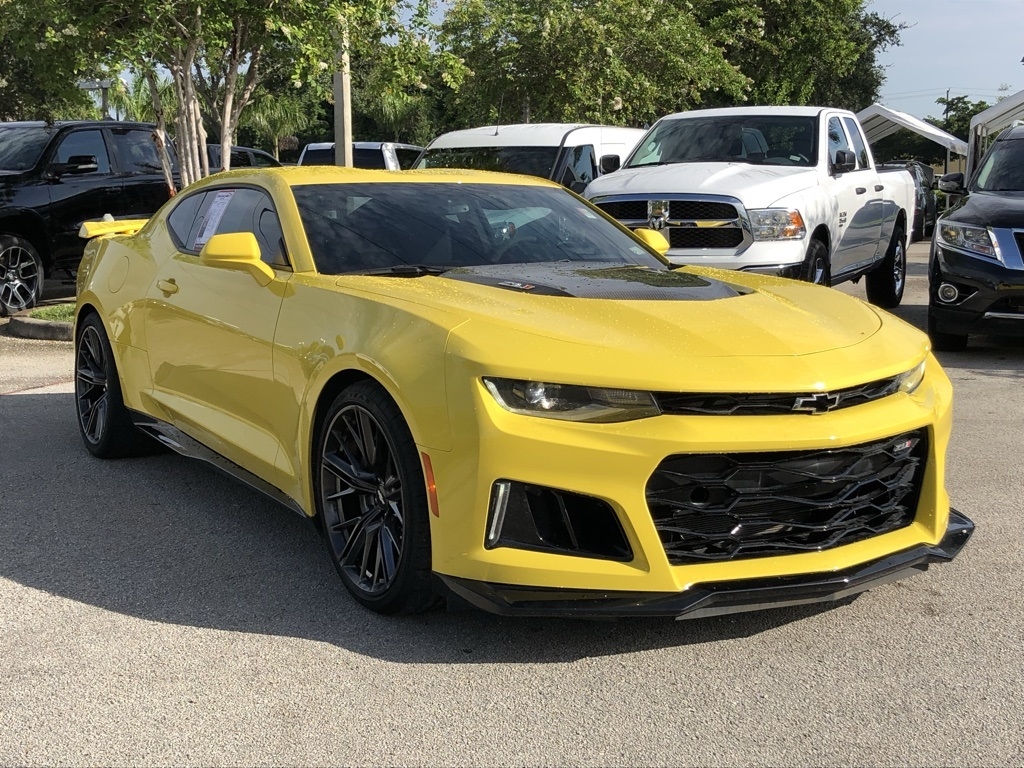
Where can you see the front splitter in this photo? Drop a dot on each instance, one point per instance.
(716, 599)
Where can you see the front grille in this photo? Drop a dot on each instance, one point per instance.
(1010, 305)
(724, 507)
(1019, 237)
(700, 209)
(704, 237)
(766, 404)
(625, 209)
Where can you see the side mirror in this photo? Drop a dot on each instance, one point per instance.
(652, 239)
(952, 183)
(237, 251)
(845, 162)
(610, 163)
(76, 164)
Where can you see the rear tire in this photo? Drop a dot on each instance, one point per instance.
(816, 268)
(885, 285)
(21, 275)
(103, 420)
(945, 342)
(371, 502)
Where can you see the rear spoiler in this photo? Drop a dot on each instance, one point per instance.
(110, 226)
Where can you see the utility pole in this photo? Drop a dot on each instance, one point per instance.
(343, 104)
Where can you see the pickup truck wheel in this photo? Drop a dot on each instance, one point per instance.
(886, 283)
(945, 342)
(816, 268)
(21, 275)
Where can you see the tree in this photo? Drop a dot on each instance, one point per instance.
(609, 61)
(274, 117)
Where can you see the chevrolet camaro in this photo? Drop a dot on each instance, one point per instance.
(480, 387)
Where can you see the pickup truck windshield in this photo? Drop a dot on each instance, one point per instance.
(1003, 169)
(532, 161)
(433, 227)
(21, 147)
(757, 139)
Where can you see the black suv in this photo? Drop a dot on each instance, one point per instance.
(976, 270)
(54, 177)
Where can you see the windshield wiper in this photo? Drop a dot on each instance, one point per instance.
(402, 270)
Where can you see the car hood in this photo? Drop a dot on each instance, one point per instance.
(1001, 210)
(684, 329)
(757, 186)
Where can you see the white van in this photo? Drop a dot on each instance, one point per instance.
(388, 155)
(573, 154)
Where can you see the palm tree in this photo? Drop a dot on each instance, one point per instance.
(131, 100)
(274, 117)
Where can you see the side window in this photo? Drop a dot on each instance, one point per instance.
(84, 143)
(136, 151)
(263, 160)
(836, 139)
(240, 159)
(858, 143)
(580, 169)
(183, 219)
(240, 210)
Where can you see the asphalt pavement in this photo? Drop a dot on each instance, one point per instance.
(155, 612)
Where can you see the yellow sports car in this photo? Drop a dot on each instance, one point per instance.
(478, 385)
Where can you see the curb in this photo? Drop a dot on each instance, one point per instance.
(26, 327)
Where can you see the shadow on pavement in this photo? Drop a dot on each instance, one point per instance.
(168, 539)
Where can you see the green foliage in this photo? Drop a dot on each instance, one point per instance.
(608, 61)
(57, 313)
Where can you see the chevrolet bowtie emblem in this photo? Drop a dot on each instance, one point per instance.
(819, 403)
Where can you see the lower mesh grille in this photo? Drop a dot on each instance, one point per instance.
(625, 209)
(704, 237)
(722, 507)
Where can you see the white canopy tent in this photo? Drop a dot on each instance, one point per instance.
(986, 125)
(879, 121)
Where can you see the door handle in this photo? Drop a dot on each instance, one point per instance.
(861, 190)
(167, 286)
(879, 187)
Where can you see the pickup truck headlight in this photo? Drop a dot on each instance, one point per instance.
(570, 402)
(776, 224)
(968, 238)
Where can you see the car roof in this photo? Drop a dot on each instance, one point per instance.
(362, 145)
(300, 175)
(1014, 132)
(77, 123)
(528, 135)
(745, 111)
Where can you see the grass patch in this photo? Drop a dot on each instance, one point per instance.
(60, 313)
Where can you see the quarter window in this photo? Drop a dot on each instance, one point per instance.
(88, 143)
(137, 152)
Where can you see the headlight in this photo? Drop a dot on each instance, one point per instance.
(968, 238)
(912, 379)
(570, 402)
(776, 224)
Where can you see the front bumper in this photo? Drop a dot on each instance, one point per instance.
(783, 258)
(702, 600)
(994, 294)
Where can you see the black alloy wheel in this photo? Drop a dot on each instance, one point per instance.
(104, 422)
(885, 285)
(816, 267)
(371, 500)
(21, 275)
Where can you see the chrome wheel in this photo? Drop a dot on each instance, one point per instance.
(20, 277)
(361, 499)
(899, 268)
(91, 390)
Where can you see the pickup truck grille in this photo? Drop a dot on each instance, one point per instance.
(689, 225)
(699, 237)
(633, 210)
(736, 506)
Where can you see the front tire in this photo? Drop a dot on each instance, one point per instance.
(371, 501)
(21, 275)
(816, 268)
(103, 420)
(885, 285)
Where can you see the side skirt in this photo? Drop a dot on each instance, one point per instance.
(179, 442)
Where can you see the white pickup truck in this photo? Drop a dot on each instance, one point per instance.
(789, 191)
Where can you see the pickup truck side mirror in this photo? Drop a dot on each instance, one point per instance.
(76, 164)
(610, 163)
(845, 161)
(952, 183)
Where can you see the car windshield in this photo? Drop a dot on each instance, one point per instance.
(532, 161)
(360, 227)
(757, 139)
(1003, 169)
(21, 146)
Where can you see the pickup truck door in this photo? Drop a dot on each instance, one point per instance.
(78, 197)
(143, 187)
(858, 196)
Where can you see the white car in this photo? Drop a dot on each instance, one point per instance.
(791, 191)
(573, 154)
(386, 155)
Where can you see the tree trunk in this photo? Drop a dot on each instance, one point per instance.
(160, 134)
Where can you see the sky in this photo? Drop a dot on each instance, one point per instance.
(970, 47)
